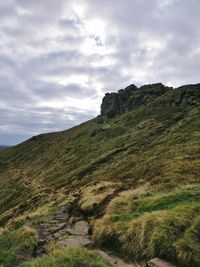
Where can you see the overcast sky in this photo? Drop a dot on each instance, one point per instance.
(59, 57)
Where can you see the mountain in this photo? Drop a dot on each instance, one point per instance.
(132, 173)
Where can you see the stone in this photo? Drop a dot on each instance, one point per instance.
(58, 235)
(80, 228)
(126, 99)
(156, 262)
(129, 89)
(110, 106)
(115, 261)
(61, 225)
(56, 227)
(99, 119)
(131, 97)
(75, 241)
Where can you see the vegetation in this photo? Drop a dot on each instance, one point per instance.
(70, 257)
(12, 242)
(139, 172)
(94, 196)
(153, 224)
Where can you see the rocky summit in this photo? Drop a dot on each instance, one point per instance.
(132, 97)
(122, 189)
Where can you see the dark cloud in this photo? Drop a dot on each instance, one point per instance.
(58, 58)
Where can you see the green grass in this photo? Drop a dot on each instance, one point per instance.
(71, 258)
(151, 153)
(12, 241)
(151, 224)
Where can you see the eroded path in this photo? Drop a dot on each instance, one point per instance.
(60, 233)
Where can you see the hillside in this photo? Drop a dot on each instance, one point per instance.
(132, 173)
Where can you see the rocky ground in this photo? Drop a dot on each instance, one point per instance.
(59, 232)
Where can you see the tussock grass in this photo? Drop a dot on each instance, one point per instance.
(153, 151)
(146, 225)
(70, 257)
(154, 233)
(126, 201)
(92, 196)
(188, 248)
(12, 241)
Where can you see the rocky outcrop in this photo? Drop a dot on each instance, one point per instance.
(132, 97)
(129, 98)
(187, 95)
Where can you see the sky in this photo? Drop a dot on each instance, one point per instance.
(59, 57)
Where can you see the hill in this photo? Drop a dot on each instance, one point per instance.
(132, 173)
(3, 146)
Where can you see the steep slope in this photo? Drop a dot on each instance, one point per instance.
(132, 172)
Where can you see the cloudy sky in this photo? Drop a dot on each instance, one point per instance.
(59, 57)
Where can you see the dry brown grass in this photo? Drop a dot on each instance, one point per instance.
(94, 195)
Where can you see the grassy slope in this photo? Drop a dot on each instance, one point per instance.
(152, 154)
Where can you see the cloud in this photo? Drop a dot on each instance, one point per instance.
(58, 58)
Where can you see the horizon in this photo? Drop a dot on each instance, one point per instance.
(59, 130)
(59, 59)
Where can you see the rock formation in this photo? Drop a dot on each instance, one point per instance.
(131, 97)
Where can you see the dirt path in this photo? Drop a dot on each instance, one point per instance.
(59, 232)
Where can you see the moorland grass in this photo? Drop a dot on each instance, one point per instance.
(94, 195)
(11, 241)
(153, 151)
(162, 225)
(70, 257)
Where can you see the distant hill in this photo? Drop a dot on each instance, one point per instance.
(133, 173)
(3, 146)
